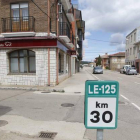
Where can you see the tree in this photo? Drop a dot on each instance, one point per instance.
(99, 61)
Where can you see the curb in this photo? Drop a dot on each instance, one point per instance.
(31, 89)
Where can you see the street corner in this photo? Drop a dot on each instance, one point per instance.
(32, 129)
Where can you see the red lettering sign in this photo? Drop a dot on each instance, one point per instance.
(28, 43)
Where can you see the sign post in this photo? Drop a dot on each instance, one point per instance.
(101, 105)
(99, 134)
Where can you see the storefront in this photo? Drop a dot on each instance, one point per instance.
(33, 61)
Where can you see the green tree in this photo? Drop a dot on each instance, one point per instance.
(99, 61)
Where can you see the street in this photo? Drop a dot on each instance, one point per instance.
(28, 113)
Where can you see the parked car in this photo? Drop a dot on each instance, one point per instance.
(124, 69)
(131, 70)
(98, 70)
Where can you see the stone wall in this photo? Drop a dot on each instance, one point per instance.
(53, 66)
(116, 63)
(41, 76)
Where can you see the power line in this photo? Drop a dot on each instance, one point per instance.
(103, 41)
(100, 52)
(40, 8)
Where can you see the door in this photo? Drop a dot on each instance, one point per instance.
(19, 17)
(137, 66)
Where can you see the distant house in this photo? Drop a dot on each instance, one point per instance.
(116, 61)
(92, 64)
(105, 61)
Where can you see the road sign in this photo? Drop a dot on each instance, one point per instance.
(101, 104)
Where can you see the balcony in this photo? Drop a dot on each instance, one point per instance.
(70, 14)
(64, 31)
(80, 50)
(66, 4)
(18, 26)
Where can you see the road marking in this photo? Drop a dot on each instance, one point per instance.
(137, 83)
(131, 103)
(125, 98)
(136, 106)
(96, 77)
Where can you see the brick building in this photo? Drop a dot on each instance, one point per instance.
(105, 61)
(40, 41)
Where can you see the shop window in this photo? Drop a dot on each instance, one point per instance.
(22, 61)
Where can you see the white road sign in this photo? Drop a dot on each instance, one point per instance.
(101, 112)
(101, 104)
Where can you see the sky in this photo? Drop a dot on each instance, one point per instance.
(107, 24)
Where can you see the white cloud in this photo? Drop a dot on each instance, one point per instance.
(87, 34)
(85, 43)
(111, 15)
(121, 47)
(117, 38)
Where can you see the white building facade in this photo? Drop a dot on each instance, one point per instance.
(133, 48)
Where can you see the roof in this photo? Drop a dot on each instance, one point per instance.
(105, 56)
(131, 32)
(118, 54)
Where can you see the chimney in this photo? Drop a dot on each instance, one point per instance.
(106, 53)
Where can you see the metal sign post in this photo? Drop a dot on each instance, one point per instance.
(99, 134)
(101, 105)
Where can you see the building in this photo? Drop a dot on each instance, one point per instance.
(112, 61)
(116, 61)
(40, 41)
(104, 61)
(133, 48)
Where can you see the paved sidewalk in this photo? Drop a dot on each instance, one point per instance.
(30, 112)
(64, 86)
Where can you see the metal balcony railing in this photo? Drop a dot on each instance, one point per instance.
(64, 29)
(18, 24)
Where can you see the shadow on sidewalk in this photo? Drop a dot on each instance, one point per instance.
(4, 110)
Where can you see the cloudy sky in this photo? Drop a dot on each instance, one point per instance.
(107, 24)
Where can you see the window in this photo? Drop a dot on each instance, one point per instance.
(131, 38)
(22, 61)
(19, 10)
(134, 37)
(130, 51)
(134, 50)
(119, 59)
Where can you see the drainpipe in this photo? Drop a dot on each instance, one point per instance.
(61, 19)
(49, 25)
(57, 20)
(57, 66)
(48, 66)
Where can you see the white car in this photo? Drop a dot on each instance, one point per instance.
(132, 71)
(124, 69)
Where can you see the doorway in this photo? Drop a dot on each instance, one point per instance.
(137, 66)
(19, 17)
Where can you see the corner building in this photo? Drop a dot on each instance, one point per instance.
(38, 42)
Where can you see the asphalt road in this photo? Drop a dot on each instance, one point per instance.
(129, 107)
(29, 112)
